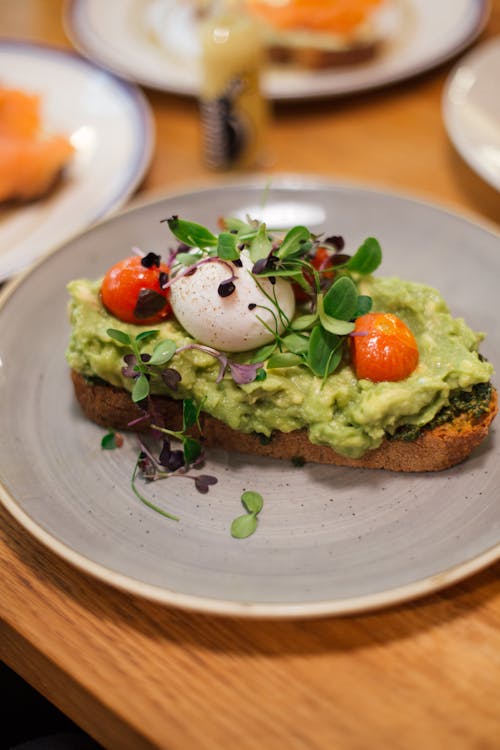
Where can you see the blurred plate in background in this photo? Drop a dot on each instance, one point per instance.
(471, 110)
(154, 43)
(108, 122)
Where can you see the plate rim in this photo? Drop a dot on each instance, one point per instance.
(452, 124)
(144, 146)
(72, 10)
(215, 606)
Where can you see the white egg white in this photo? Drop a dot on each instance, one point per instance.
(227, 323)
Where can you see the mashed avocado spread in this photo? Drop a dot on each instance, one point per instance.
(350, 415)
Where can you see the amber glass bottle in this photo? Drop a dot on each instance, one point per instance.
(233, 110)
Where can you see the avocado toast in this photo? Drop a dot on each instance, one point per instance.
(297, 392)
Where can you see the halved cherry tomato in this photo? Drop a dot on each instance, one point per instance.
(124, 291)
(383, 348)
(320, 260)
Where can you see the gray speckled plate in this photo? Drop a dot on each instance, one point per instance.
(330, 540)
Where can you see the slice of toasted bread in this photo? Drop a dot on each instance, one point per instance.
(433, 450)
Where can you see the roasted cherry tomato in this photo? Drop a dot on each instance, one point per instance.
(383, 348)
(132, 290)
(320, 260)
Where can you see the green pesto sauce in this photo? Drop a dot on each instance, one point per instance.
(350, 415)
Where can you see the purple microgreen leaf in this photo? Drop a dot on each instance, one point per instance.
(120, 336)
(141, 388)
(203, 481)
(130, 369)
(244, 373)
(149, 303)
(335, 241)
(171, 378)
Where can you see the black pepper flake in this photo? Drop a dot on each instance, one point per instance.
(237, 262)
(272, 279)
(150, 260)
(149, 303)
(225, 289)
(163, 279)
(252, 306)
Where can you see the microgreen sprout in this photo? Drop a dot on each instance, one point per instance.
(245, 525)
(111, 440)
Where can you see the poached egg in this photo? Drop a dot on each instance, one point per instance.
(231, 323)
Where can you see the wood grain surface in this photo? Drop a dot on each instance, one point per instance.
(138, 675)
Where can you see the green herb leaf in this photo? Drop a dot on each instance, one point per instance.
(304, 322)
(141, 388)
(141, 497)
(192, 449)
(120, 336)
(244, 526)
(296, 343)
(252, 501)
(367, 258)
(319, 356)
(231, 224)
(108, 443)
(296, 242)
(163, 352)
(333, 325)
(286, 359)
(227, 246)
(341, 300)
(191, 234)
(188, 259)
(146, 335)
(189, 413)
(261, 375)
(364, 305)
(260, 355)
(261, 245)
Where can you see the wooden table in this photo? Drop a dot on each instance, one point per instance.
(138, 675)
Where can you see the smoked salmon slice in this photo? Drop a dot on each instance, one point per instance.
(30, 161)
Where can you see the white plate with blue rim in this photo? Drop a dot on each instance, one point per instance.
(108, 122)
(471, 110)
(329, 540)
(155, 43)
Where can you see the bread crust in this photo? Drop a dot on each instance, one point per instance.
(433, 450)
